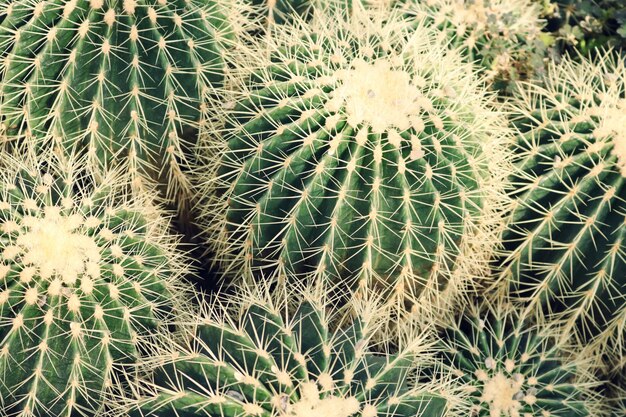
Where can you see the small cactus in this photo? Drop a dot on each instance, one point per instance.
(511, 366)
(503, 36)
(356, 153)
(122, 80)
(285, 355)
(86, 278)
(566, 242)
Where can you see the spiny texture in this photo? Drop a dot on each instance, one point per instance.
(358, 153)
(567, 236)
(118, 80)
(86, 276)
(285, 355)
(513, 367)
(281, 11)
(503, 36)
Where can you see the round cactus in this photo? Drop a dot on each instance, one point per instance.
(566, 240)
(503, 36)
(360, 154)
(511, 366)
(122, 81)
(86, 277)
(262, 355)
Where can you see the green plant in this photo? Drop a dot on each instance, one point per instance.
(87, 277)
(512, 366)
(123, 82)
(356, 151)
(287, 354)
(503, 36)
(280, 11)
(566, 242)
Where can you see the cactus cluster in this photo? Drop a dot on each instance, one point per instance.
(86, 278)
(513, 366)
(285, 354)
(122, 82)
(358, 151)
(566, 241)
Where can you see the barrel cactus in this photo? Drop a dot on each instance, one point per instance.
(513, 366)
(86, 278)
(356, 152)
(566, 242)
(121, 81)
(503, 36)
(286, 355)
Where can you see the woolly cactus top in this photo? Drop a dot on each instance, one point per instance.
(567, 236)
(85, 277)
(511, 366)
(356, 149)
(285, 354)
(118, 80)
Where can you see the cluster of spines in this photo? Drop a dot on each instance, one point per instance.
(566, 241)
(88, 279)
(317, 182)
(514, 365)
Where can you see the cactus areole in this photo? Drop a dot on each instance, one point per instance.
(120, 80)
(357, 153)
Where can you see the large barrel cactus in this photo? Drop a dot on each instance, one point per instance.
(513, 366)
(357, 153)
(287, 355)
(86, 278)
(121, 81)
(567, 236)
(502, 36)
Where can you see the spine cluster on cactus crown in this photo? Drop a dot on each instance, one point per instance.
(286, 354)
(513, 366)
(119, 80)
(501, 35)
(87, 277)
(356, 152)
(566, 242)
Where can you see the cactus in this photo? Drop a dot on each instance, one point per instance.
(122, 81)
(87, 277)
(502, 36)
(513, 366)
(285, 355)
(356, 153)
(566, 242)
(280, 11)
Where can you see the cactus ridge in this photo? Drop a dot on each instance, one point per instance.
(356, 152)
(122, 81)
(285, 355)
(566, 243)
(512, 365)
(86, 279)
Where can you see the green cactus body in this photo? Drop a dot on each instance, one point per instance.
(503, 36)
(356, 154)
(280, 11)
(512, 367)
(567, 235)
(85, 278)
(119, 80)
(271, 360)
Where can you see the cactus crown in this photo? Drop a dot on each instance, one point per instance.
(356, 151)
(118, 80)
(284, 354)
(567, 236)
(86, 277)
(512, 366)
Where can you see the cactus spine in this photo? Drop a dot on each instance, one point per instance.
(567, 236)
(512, 366)
(86, 278)
(286, 355)
(120, 81)
(356, 153)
